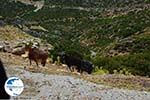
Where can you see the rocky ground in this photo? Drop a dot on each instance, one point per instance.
(57, 87)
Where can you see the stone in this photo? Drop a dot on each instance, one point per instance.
(1, 48)
(7, 49)
(18, 51)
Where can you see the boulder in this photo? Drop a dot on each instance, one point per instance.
(24, 55)
(1, 48)
(7, 49)
(2, 23)
(18, 51)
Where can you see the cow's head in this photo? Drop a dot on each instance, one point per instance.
(62, 56)
(88, 66)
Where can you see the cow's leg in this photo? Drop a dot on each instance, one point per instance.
(69, 66)
(36, 61)
(37, 64)
(72, 68)
(43, 62)
(78, 69)
(30, 62)
(81, 71)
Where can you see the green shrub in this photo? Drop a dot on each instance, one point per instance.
(58, 60)
(100, 71)
(137, 64)
(147, 1)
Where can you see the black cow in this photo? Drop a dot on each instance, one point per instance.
(81, 65)
(70, 60)
(3, 78)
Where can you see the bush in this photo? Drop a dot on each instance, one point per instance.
(137, 64)
(147, 1)
(100, 71)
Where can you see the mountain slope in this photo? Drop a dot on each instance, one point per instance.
(104, 28)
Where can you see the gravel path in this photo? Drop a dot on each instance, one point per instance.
(41, 86)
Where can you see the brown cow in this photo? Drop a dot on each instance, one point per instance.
(36, 54)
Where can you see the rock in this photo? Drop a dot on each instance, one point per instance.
(2, 23)
(24, 55)
(18, 51)
(18, 22)
(36, 45)
(93, 54)
(7, 49)
(1, 48)
(6, 43)
(34, 33)
(111, 51)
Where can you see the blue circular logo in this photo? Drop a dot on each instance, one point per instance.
(14, 86)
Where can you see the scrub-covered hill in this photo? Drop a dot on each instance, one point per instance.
(113, 34)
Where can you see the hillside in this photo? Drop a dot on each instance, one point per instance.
(55, 81)
(113, 34)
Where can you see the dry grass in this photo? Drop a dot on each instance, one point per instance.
(9, 32)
